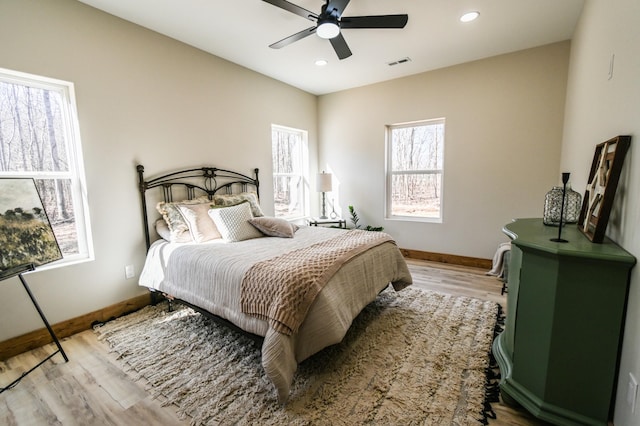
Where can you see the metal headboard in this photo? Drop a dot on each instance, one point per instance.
(194, 183)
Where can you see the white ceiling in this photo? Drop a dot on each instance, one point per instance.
(241, 31)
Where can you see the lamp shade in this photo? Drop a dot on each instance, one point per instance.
(324, 182)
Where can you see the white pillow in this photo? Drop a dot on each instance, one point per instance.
(233, 222)
(163, 229)
(201, 225)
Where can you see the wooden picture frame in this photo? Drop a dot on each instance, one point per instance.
(601, 187)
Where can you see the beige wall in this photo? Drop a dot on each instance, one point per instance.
(599, 108)
(145, 98)
(504, 120)
(141, 97)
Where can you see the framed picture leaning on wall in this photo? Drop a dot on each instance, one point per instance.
(601, 187)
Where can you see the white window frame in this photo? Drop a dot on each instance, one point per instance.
(75, 174)
(390, 173)
(302, 174)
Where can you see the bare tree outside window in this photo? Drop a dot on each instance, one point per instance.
(414, 169)
(289, 152)
(38, 140)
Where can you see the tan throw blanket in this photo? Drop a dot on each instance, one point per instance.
(281, 290)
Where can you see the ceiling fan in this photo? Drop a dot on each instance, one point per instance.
(330, 20)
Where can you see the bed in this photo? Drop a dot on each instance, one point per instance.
(297, 288)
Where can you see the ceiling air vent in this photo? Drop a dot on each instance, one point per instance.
(399, 61)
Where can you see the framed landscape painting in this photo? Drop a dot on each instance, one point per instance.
(26, 237)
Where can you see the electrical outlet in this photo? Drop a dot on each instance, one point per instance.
(129, 271)
(632, 392)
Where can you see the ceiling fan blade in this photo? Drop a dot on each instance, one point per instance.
(340, 46)
(290, 7)
(380, 21)
(338, 6)
(295, 37)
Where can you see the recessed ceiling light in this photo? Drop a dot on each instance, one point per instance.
(321, 62)
(469, 16)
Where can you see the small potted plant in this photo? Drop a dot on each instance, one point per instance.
(355, 219)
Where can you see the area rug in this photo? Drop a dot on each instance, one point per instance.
(410, 357)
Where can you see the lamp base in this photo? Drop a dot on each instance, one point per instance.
(558, 240)
(324, 209)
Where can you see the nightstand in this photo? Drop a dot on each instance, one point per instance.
(315, 221)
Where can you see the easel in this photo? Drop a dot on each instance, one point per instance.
(18, 271)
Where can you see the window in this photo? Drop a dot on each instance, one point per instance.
(414, 170)
(290, 172)
(40, 138)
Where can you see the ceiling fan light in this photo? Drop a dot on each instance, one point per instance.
(327, 29)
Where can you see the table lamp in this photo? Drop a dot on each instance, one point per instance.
(324, 184)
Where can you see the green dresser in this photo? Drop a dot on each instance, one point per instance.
(566, 304)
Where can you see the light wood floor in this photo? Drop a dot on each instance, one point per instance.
(92, 389)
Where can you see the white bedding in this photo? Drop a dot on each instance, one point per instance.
(209, 275)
